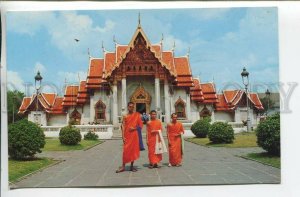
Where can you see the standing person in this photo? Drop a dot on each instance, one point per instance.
(174, 133)
(154, 126)
(131, 148)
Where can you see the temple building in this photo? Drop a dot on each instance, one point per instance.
(150, 77)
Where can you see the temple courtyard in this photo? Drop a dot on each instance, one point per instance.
(202, 165)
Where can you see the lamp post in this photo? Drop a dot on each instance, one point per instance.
(37, 82)
(245, 77)
(268, 93)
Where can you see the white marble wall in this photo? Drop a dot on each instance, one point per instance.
(57, 120)
(43, 119)
(224, 116)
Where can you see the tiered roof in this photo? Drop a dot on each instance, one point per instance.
(203, 92)
(50, 102)
(83, 95)
(229, 100)
(70, 97)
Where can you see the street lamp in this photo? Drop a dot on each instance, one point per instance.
(268, 93)
(37, 82)
(245, 77)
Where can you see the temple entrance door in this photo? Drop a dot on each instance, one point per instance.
(141, 107)
(141, 99)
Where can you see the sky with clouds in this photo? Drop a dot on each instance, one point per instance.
(221, 41)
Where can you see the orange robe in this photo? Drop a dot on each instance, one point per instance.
(131, 148)
(175, 152)
(151, 140)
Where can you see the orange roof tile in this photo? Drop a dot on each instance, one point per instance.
(157, 50)
(94, 78)
(222, 104)
(256, 101)
(196, 91)
(120, 51)
(109, 61)
(24, 105)
(70, 96)
(57, 107)
(184, 75)
(49, 97)
(83, 95)
(209, 93)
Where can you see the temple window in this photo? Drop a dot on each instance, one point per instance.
(205, 113)
(100, 111)
(134, 68)
(180, 109)
(75, 117)
(140, 68)
(146, 68)
(128, 68)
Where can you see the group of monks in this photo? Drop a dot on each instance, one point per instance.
(131, 144)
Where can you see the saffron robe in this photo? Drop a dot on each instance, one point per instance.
(152, 133)
(131, 148)
(175, 144)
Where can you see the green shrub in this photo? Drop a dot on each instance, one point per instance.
(200, 127)
(91, 136)
(268, 134)
(25, 139)
(69, 135)
(220, 132)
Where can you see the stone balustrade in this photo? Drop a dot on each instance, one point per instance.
(103, 131)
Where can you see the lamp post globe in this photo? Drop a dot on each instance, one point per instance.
(245, 77)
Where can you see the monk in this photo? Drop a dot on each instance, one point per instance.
(131, 149)
(153, 127)
(174, 131)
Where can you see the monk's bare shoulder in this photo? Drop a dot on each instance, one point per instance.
(169, 124)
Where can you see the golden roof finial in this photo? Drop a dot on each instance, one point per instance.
(173, 49)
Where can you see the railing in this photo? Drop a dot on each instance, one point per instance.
(103, 131)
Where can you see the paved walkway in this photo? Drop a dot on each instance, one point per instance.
(201, 165)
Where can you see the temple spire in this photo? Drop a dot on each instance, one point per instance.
(139, 21)
(89, 54)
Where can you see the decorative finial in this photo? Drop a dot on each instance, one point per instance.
(114, 39)
(139, 25)
(89, 53)
(162, 38)
(188, 53)
(78, 77)
(173, 49)
(103, 49)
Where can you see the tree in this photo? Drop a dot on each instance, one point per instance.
(14, 101)
(264, 102)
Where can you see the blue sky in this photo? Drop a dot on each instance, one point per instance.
(221, 41)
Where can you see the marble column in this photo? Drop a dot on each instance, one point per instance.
(188, 106)
(124, 99)
(67, 117)
(157, 94)
(172, 104)
(115, 104)
(237, 115)
(167, 102)
(92, 109)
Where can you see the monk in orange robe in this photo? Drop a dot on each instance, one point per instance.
(174, 131)
(153, 126)
(131, 148)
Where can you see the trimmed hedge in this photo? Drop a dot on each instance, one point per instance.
(268, 134)
(201, 127)
(91, 136)
(220, 132)
(25, 139)
(69, 135)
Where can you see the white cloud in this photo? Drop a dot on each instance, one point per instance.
(14, 81)
(39, 67)
(72, 77)
(28, 22)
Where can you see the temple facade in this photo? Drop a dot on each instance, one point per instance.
(150, 77)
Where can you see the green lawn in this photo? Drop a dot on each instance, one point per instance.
(241, 140)
(53, 144)
(265, 158)
(18, 169)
